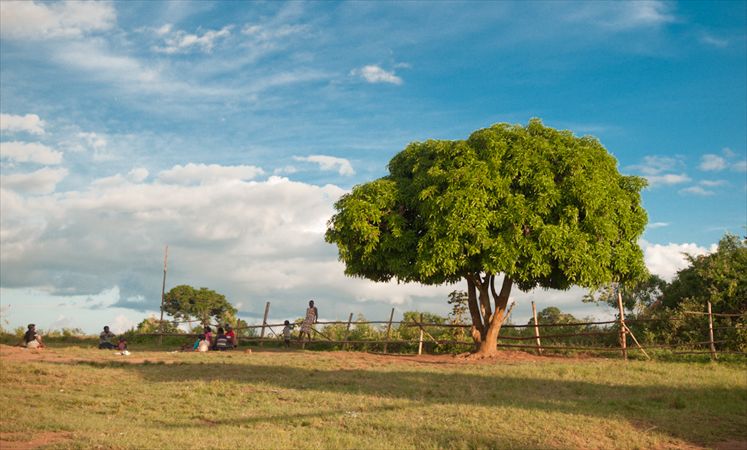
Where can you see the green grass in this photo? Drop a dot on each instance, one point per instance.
(302, 399)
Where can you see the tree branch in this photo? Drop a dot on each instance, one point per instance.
(478, 328)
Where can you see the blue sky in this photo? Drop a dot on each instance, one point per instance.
(228, 129)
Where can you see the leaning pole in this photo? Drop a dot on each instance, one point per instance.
(163, 294)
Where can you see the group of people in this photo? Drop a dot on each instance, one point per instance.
(311, 317)
(32, 339)
(224, 339)
(105, 341)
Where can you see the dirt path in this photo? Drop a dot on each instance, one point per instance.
(12, 353)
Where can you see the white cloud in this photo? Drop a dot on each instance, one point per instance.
(667, 179)
(29, 152)
(182, 42)
(42, 181)
(711, 162)
(714, 41)
(655, 225)
(655, 165)
(30, 123)
(657, 170)
(212, 173)
(622, 16)
(96, 143)
(265, 33)
(285, 170)
(696, 190)
(341, 165)
(375, 74)
(68, 19)
(138, 174)
(712, 183)
(666, 260)
(121, 323)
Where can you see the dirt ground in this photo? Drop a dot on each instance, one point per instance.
(13, 353)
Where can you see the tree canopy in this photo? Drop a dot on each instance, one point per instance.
(540, 206)
(719, 277)
(187, 303)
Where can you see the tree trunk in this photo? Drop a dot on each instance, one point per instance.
(477, 329)
(490, 326)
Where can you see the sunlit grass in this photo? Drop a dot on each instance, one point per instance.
(346, 400)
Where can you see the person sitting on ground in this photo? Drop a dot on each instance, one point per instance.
(32, 339)
(221, 341)
(231, 335)
(105, 339)
(202, 344)
(208, 335)
(287, 333)
(122, 344)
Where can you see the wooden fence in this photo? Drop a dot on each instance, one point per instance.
(622, 330)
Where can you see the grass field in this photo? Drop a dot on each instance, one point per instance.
(79, 397)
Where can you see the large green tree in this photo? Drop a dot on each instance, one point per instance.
(540, 207)
(187, 303)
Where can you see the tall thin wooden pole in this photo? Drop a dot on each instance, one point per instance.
(420, 343)
(536, 329)
(264, 323)
(623, 334)
(388, 330)
(347, 332)
(710, 332)
(163, 293)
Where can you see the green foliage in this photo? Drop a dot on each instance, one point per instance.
(185, 303)
(553, 315)
(151, 325)
(65, 333)
(637, 295)
(542, 206)
(459, 314)
(719, 278)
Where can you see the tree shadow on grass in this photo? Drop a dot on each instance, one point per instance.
(700, 415)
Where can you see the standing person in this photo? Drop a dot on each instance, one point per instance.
(32, 339)
(231, 335)
(105, 339)
(287, 333)
(312, 314)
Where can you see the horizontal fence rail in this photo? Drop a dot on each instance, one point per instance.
(609, 327)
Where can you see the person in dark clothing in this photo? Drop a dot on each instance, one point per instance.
(32, 339)
(105, 339)
(222, 342)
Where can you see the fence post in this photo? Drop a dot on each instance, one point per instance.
(536, 329)
(388, 330)
(264, 324)
(347, 331)
(623, 335)
(710, 332)
(420, 342)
